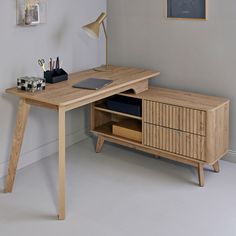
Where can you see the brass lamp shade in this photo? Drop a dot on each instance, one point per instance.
(93, 28)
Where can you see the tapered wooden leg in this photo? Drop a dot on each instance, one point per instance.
(201, 175)
(61, 215)
(100, 143)
(216, 167)
(21, 119)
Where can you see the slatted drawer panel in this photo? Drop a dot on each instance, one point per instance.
(175, 117)
(193, 121)
(174, 141)
(151, 112)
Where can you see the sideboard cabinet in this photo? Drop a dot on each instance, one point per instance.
(187, 127)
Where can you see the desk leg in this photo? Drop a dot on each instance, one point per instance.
(21, 119)
(62, 146)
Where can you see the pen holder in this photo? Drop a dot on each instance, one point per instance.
(55, 76)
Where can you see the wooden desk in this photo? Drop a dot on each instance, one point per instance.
(62, 97)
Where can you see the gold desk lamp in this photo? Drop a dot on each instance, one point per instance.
(92, 30)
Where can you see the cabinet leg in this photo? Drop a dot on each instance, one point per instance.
(100, 143)
(216, 167)
(21, 119)
(62, 146)
(201, 175)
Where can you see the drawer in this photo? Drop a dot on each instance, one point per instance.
(174, 141)
(175, 117)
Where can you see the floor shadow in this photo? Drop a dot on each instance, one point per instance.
(48, 168)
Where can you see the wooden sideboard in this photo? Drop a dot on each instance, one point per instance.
(187, 127)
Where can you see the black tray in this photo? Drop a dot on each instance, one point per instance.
(126, 105)
(55, 76)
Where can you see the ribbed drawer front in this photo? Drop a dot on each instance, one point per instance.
(175, 117)
(174, 141)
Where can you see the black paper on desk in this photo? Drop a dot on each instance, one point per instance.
(92, 83)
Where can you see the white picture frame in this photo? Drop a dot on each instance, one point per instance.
(35, 11)
(32, 14)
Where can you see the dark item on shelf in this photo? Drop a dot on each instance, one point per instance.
(31, 84)
(55, 76)
(124, 104)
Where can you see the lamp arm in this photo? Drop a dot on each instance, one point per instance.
(105, 32)
(104, 29)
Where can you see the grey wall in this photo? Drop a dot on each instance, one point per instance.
(191, 55)
(20, 47)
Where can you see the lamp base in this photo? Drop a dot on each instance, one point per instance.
(104, 68)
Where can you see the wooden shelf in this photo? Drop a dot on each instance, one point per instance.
(103, 108)
(106, 130)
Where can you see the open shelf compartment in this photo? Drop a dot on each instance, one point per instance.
(121, 105)
(116, 125)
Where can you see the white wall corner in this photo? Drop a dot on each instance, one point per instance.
(230, 156)
(43, 151)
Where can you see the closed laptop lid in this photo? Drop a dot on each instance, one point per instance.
(92, 83)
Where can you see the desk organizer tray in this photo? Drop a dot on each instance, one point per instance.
(31, 84)
(124, 104)
(55, 76)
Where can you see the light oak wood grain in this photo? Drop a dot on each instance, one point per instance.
(181, 98)
(62, 133)
(216, 167)
(181, 125)
(63, 94)
(201, 176)
(100, 142)
(63, 97)
(135, 145)
(21, 119)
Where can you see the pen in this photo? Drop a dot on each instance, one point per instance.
(50, 64)
(57, 63)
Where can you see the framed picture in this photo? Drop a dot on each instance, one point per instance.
(35, 15)
(31, 12)
(187, 9)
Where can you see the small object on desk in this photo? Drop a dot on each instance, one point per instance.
(53, 65)
(42, 64)
(31, 84)
(57, 63)
(55, 76)
(92, 83)
(50, 64)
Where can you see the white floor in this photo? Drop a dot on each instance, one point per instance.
(120, 192)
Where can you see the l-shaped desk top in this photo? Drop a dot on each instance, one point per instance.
(63, 94)
(63, 97)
